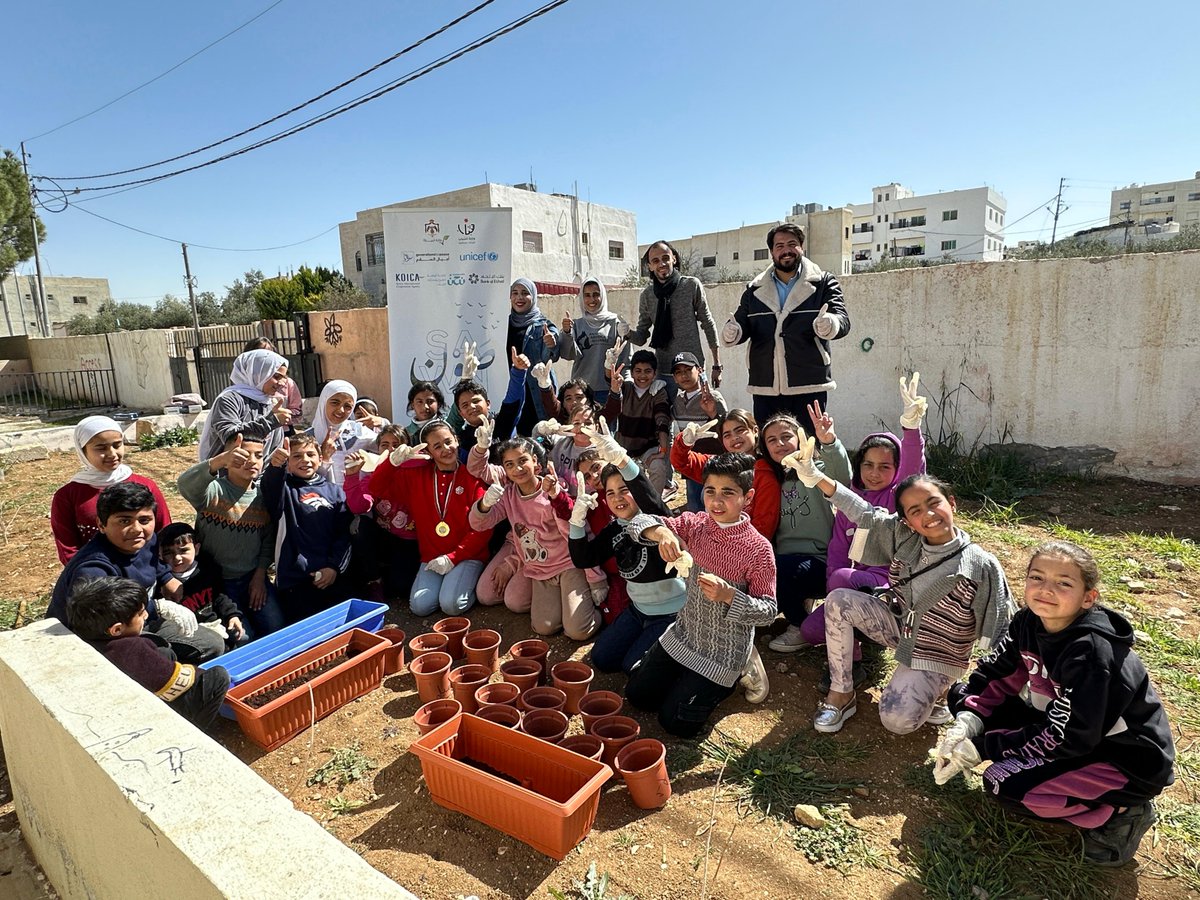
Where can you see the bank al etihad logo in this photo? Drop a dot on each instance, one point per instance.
(473, 278)
(432, 228)
(466, 228)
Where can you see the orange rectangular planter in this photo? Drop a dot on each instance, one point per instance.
(552, 805)
(277, 722)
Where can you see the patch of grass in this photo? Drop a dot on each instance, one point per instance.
(346, 765)
(590, 887)
(340, 805)
(774, 779)
(1001, 515)
(13, 615)
(180, 436)
(973, 848)
(683, 756)
(839, 845)
(982, 473)
(1179, 829)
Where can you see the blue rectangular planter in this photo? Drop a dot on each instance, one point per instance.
(259, 655)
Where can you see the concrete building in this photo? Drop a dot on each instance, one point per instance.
(966, 226)
(1157, 204)
(64, 298)
(556, 237)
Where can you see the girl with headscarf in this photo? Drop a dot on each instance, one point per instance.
(587, 339)
(337, 432)
(100, 446)
(253, 405)
(535, 337)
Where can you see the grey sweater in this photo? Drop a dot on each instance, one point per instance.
(689, 313)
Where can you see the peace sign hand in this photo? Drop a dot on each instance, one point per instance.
(822, 423)
(708, 403)
(613, 353)
(470, 363)
(584, 504)
(404, 453)
(694, 431)
(914, 405)
(801, 462)
(617, 380)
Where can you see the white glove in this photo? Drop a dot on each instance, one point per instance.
(179, 616)
(606, 445)
(694, 431)
(966, 726)
(439, 565)
(470, 363)
(492, 496)
(622, 328)
(825, 324)
(963, 757)
(541, 374)
(613, 354)
(483, 434)
(682, 565)
(599, 592)
(550, 428)
(584, 504)
(731, 332)
(801, 462)
(914, 406)
(404, 453)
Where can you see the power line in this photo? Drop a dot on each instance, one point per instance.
(158, 76)
(345, 107)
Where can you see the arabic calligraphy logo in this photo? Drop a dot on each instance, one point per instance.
(467, 227)
(333, 330)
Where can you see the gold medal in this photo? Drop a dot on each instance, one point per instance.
(442, 529)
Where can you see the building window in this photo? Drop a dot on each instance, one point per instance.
(879, 219)
(885, 217)
(949, 245)
(760, 255)
(375, 249)
(531, 241)
(735, 256)
(949, 215)
(879, 198)
(708, 262)
(584, 236)
(49, 298)
(616, 250)
(1194, 196)
(887, 196)
(357, 260)
(79, 299)
(847, 237)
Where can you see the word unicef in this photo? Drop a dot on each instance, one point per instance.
(479, 257)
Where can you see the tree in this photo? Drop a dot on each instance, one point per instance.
(286, 295)
(16, 232)
(171, 312)
(279, 298)
(342, 293)
(238, 307)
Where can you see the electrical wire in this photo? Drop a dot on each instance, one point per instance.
(345, 107)
(158, 76)
(297, 108)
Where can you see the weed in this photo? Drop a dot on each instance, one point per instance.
(340, 805)
(999, 514)
(683, 755)
(346, 765)
(624, 839)
(979, 472)
(592, 887)
(1179, 828)
(180, 436)
(839, 845)
(774, 779)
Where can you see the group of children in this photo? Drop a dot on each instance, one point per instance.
(470, 504)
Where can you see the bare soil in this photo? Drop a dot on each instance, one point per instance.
(699, 844)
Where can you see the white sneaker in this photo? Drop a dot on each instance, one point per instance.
(754, 678)
(790, 641)
(939, 715)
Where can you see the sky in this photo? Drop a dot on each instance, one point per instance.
(698, 115)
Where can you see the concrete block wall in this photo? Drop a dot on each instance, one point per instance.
(119, 797)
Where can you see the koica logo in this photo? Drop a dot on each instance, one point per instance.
(456, 278)
(407, 279)
(479, 257)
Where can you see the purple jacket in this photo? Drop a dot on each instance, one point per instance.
(912, 462)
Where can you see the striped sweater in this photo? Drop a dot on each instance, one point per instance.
(710, 638)
(949, 608)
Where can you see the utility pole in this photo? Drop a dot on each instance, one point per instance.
(191, 286)
(39, 296)
(1058, 210)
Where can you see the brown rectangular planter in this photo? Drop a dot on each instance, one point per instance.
(552, 804)
(280, 720)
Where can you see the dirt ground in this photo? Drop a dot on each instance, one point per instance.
(702, 843)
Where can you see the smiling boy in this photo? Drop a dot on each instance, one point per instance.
(643, 413)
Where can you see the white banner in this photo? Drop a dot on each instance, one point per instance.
(448, 274)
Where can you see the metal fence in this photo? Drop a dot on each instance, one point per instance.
(40, 393)
(220, 345)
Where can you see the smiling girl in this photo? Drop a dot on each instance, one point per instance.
(337, 432)
(587, 339)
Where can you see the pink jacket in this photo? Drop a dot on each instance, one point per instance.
(539, 534)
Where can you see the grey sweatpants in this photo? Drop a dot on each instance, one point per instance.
(910, 694)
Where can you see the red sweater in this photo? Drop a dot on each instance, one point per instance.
(411, 487)
(73, 514)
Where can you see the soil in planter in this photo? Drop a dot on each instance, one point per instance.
(484, 767)
(262, 698)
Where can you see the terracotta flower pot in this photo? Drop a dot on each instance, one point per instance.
(454, 628)
(508, 716)
(432, 673)
(465, 681)
(393, 657)
(429, 642)
(573, 679)
(542, 698)
(615, 732)
(524, 673)
(548, 724)
(643, 765)
(595, 705)
(483, 647)
(434, 713)
(584, 744)
(499, 694)
(534, 649)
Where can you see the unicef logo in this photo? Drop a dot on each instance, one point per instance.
(493, 256)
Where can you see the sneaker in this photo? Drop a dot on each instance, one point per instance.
(754, 678)
(858, 674)
(1116, 841)
(830, 719)
(939, 715)
(790, 641)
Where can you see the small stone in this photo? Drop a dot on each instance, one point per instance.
(862, 791)
(1183, 595)
(501, 850)
(781, 668)
(295, 760)
(1174, 612)
(1054, 510)
(1124, 579)
(808, 816)
(1175, 565)
(1131, 562)
(1141, 637)
(1169, 508)
(1137, 587)
(315, 797)
(1146, 572)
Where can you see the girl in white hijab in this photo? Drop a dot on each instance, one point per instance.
(337, 432)
(252, 406)
(100, 446)
(587, 339)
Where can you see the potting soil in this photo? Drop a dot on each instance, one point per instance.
(265, 696)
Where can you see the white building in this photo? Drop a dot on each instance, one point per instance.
(65, 297)
(962, 225)
(557, 238)
(1157, 204)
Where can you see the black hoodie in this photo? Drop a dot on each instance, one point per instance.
(1086, 692)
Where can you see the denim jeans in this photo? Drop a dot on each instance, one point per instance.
(258, 622)
(454, 592)
(624, 642)
(695, 495)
